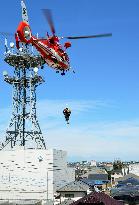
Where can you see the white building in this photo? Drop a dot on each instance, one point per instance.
(93, 163)
(134, 168)
(33, 174)
(115, 176)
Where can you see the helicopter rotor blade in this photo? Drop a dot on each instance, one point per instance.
(48, 15)
(82, 37)
(93, 36)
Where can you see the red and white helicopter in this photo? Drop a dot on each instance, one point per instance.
(49, 47)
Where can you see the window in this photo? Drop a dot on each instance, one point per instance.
(69, 195)
(112, 179)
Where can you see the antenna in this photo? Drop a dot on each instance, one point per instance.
(6, 45)
(24, 12)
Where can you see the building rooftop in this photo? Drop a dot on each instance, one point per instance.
(127, 186)
(127, 190)
(96, 174)
(95, 182)
(75, 186)
(97, 198)
(128, 176)
(95, 170)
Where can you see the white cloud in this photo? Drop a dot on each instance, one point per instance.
(100, 140)
(105, 143)
(55, 107)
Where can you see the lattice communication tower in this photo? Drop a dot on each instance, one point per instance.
(24, 129)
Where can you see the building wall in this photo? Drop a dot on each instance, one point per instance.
(134, 169)
(114, 177)
(77, 195)
(32, 174)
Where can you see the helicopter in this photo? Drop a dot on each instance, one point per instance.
(53, 53)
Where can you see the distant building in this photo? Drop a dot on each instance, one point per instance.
(127, 189)
(109, 167)
(114, 176)
(96, 174)
(74, 191)
(93, 163)
(97, 177)
(134, 168)
(118, 173)
(129, 178)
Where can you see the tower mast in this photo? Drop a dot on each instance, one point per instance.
(24, 129)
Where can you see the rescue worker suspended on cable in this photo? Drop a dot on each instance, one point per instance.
(67, 113)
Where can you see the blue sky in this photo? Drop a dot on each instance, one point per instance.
(103, 94)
